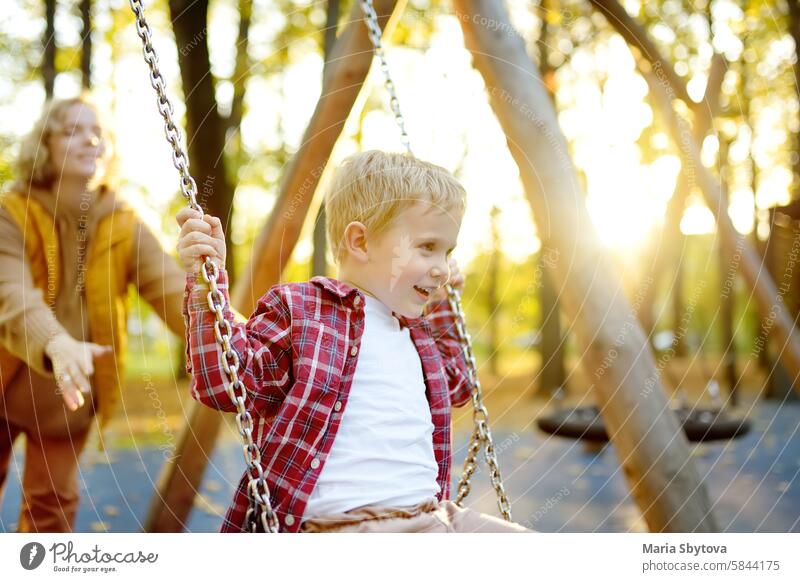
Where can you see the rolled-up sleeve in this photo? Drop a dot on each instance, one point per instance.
(263, 344)
(445, 333)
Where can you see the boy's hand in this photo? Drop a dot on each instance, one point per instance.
(201, 236)
(456, 280)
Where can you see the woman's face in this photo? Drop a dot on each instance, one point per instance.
(78, 145)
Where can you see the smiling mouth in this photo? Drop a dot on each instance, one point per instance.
(423, 291)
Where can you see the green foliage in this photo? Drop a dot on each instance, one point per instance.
(151, 346)
(6, 171)
(286, 31)
(518, 309)
(702, 289)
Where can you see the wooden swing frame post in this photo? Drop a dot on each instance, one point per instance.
(653, 451)
(344, 77)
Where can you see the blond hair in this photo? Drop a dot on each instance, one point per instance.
(373, 187)
(34, 166)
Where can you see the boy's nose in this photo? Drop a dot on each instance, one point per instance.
(439, 274)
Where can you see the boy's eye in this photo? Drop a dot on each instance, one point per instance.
(428, 246)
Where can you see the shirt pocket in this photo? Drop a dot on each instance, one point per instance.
(321, 360)
(319, 371)
(331, 359)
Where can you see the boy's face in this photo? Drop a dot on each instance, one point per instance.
(410, 255)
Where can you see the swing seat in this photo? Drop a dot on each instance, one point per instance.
(711, 424)
(699, 424)
(580, 423)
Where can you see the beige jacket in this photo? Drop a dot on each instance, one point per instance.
(30, 399)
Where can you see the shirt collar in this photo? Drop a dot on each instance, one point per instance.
(338, 288)
(348, 293)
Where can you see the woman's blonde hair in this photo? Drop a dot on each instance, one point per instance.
(34, 165)
(373, 187)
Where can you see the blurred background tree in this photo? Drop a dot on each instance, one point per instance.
(250, 71)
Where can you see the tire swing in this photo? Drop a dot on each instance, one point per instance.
(260, 515)
(699, 423)
(702, 423)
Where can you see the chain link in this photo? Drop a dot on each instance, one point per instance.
(375, 33)
(481, 435)
(260, 513)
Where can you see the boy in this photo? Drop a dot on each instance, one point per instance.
(350, 380)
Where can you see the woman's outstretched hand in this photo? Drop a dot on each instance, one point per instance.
(73, 365)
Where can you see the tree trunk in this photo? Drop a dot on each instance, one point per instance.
(49, 53)
(794, 30)
(653, 451)
(728, 274)
(764, 360)
(205, 127)
(552, 374)
(86, 44)
(492, 300)
(181, 476)
(241, 75)
(319, 264)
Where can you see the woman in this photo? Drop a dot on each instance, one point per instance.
(69, 248)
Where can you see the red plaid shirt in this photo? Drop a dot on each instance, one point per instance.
(298, 355)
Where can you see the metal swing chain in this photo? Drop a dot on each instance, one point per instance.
(375, 33)
(260, 511)
(481, 435)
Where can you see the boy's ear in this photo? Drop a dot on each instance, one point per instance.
(355, 241)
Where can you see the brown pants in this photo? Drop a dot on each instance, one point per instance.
(49, 483)
(430, 516)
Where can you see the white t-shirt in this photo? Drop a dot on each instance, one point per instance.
(383, 450)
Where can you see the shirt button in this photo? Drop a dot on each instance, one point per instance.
(314, 463)
(338, 406)
(357, 300)
(353, 350)
(289, 520)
